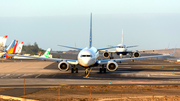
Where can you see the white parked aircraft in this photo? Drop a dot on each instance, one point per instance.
(88, 58)
(121, 50)
(46, 54)
(3, 42)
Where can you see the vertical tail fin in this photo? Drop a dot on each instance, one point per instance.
(3, 42)
(122, 41)
(46, 54)
(90, 39)
(4, 39)
(10, 45)
(19, 48)
(15, 46)
(10, 48)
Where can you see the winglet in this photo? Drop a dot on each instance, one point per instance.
(90, 39)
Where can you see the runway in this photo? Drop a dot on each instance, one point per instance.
(45, 74)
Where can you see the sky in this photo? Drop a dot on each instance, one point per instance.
(150, 24)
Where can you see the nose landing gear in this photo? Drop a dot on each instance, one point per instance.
(87, 73)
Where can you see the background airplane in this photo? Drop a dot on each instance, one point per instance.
(88, 58)
(13, 49)
(121, 50)
(3, 42)
(46, 55)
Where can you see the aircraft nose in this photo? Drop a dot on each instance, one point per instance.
(86, 61)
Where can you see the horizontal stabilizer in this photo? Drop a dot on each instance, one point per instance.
(71, 47)
(107, 48)
(131, 46)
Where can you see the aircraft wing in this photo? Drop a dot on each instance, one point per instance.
(151, 50)
(126, 59)
(45, 58)
(71, 47)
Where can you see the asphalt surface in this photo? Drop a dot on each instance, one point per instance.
(39, 74)
(148, 71)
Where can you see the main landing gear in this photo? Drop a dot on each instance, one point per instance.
(102, 69)
(111, 56)
(74, 69)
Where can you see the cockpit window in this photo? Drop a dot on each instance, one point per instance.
(86, 55)
(121, 46)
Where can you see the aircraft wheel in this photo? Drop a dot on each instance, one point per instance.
(72, 70)
(100, 70)
(76, 70)
(104, 70)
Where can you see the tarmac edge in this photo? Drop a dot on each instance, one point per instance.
(15, 98)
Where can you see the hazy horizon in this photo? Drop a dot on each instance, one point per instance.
(149, 24)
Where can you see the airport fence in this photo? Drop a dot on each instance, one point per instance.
(97, 93)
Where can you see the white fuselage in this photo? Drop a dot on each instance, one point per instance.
(88, 56)
(121, 48)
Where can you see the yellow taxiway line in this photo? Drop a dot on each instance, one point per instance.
(124, 67)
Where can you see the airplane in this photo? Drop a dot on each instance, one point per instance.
(3, 42)
(19, 48)
(8, 48)
(88, 58)
(46, 55)
(13, 48)
(121, 50)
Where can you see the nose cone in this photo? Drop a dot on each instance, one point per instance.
(86, 62)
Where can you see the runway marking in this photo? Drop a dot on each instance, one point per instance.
(5, 75)
(122, 63)
(124, 67)
(37, 75)
(54, 75)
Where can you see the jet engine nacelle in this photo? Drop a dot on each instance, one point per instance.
(106, 54)
(136, 54)
(112, 66)
(63, 66)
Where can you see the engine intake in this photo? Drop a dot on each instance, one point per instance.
(112, 66)
(136, 54)
(63, 66)
(106, 54)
